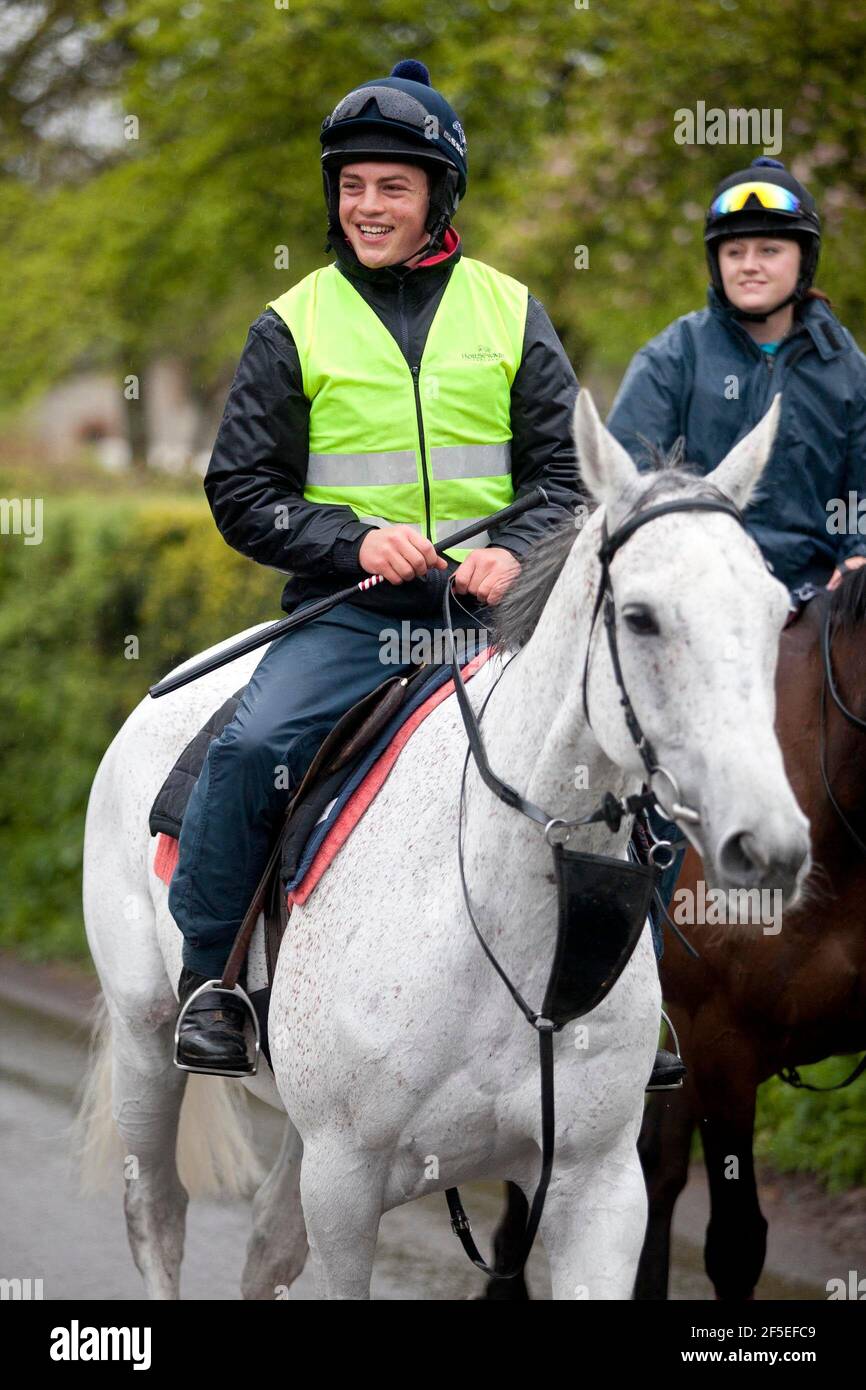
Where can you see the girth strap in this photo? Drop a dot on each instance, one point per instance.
(459, 1220)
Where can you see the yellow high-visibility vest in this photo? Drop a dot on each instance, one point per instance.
(429, 444)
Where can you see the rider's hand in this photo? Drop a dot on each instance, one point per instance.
(852, 563)
(398, 553)
(486, 573)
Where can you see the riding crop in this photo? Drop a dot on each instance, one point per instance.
(324, 605)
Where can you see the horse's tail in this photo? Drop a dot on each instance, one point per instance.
(215, 1152)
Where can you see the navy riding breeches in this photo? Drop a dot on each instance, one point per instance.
(304, 683)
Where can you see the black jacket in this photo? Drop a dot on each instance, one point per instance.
(260, 457)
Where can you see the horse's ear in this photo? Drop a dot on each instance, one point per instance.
(739, 471)
(606, 469)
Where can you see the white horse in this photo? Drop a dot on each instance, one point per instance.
(401, 1060)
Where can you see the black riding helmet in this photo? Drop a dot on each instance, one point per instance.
(763, 198)
(403, 117)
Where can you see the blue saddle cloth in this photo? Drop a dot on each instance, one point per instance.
(327, 799)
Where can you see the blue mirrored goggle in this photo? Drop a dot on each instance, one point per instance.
(766, 195)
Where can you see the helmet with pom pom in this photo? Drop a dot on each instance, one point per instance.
(736, 211)
(402, 117)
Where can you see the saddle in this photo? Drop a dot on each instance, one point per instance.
(341, 759)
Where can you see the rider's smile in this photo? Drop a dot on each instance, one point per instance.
(758, 272)
(383, 211)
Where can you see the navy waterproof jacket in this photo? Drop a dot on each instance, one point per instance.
(705, 379)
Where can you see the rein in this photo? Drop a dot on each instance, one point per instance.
(790, 1075)
(567, 996)
(858, 723)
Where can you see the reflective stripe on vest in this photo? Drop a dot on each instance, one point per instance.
(429, 446)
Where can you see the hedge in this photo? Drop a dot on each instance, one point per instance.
(106, 570)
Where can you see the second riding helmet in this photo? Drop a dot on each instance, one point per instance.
(402, 117)
(766, 198)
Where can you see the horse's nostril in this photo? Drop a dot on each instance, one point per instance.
(750, 848)
(740, 856)
(744, 860)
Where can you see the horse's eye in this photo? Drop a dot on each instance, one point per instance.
(640, 620)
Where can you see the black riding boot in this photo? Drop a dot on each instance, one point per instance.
(668, 1072)
(212, 1034)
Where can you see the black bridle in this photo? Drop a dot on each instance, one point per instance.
(610, 811)
(609, 546)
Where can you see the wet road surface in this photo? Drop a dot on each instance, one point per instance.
(78, 1247)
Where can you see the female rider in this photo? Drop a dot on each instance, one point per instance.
(710, 376)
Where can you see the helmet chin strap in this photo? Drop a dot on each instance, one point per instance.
(435, 239)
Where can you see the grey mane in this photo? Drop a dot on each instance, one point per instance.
(513, 620)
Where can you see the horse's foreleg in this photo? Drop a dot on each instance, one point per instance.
(736, 1240)
(664, 1147)
(593, 1224)
(277, 1249)
(147, 1091)
(341, 1191)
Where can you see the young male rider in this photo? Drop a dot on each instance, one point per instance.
(379, 405)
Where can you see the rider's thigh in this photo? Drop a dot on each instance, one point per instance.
(308, 678)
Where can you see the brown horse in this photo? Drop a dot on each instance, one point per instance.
(756, 1002)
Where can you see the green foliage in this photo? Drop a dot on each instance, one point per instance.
(106, 570)
(802, 1132)
(613, 178)
(166, 242)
